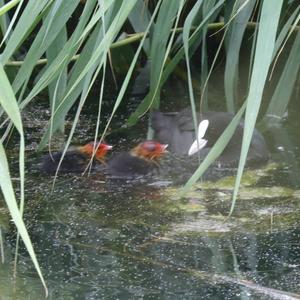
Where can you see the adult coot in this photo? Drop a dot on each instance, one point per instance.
(177, 130)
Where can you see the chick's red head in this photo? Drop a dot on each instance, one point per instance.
(150, 150)
(101, 150)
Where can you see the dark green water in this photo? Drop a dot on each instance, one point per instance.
(97, 238)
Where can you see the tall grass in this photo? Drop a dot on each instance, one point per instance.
(75, 57)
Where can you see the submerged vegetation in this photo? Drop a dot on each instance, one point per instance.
(64, 47)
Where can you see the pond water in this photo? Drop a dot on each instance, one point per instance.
(98, 238)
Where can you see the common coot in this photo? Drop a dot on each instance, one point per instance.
(140, 161)
(177, 130)
(76, 159)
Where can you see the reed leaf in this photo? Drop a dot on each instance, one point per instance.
(8, 6)
(3, 21)
(9, 104)
(161, 46)
(63, 107)
(131, 68)
(206, 8)
(233, 41)
(185, 37)
(30, 17)
(57, 88)
(285, 86)
(139, 19)
(65, 55)
(195, 38)
(158, 54)
(286, 29)
(52, 26)
(269, 19)
(12, 22)
(97, 58)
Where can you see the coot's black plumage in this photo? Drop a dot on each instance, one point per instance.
(177, 130)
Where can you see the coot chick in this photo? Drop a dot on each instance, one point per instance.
(177, 130)
(140, 161)
(75, 160)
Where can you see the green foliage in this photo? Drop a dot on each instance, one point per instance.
(76, 57)
(5, 8)
(9, 104)
(234, 40)
(265, 44)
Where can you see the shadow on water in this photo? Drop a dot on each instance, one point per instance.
(101, 238)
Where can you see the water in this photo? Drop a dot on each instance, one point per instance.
(97, 238)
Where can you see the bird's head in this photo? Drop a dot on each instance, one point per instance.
(150, 150)
(100, 152)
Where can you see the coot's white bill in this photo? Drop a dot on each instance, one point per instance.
(200, 142)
